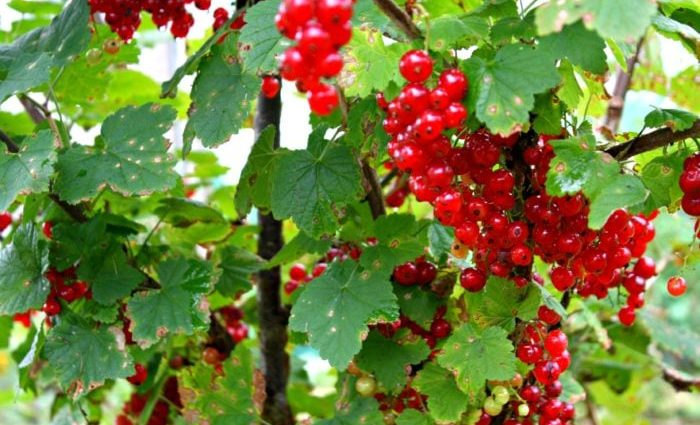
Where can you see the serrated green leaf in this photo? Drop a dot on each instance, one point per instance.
(370, 64)
(184, 212)
(446, 402)
(683, 88)
(548, 113)
(297, 247)
(225, 399)
(255, 182)
(236, 266)
(675, 119)
(450, 31)
(177, 307)
(477, 356)
(661, 176)
(503, 88)
(334, 310)
(413, 417)
(440, 238)
(621, 20)
(579, 45)
(669, 27)
(261, 40)
(221, 95)
(418, 305)
(23, 264)
(397, 243)
(569, 90)
(550, 302)
(361, 410)
(109, 274)
(313, 189)
(376, 349)
(501, 302)
(97, 311)
(131, 157)
(513, 27)
(620, 191)
(82, 356)
(28, 170)
(25, 72)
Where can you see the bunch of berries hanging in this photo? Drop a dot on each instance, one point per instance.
(319, 28)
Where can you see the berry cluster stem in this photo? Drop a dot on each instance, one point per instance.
(399, 17)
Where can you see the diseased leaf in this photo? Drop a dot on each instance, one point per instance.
(675, 119)
(82, 356)
(27, 171)
(175, 308)
(335, 308)
(391, 375)
(22, 265)
(130, 157)
(25, 72)
(661, 176)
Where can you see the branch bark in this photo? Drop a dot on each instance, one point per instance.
(399, 17)
(272, 315)
(374, 190)
(650, 141)
(622, 85)
(11, 145)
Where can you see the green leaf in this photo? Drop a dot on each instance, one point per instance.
(477, 356)
(130, 157)
(413, 417)
(621, 20)
(236, 266)
(503, 88)
(6, 323)
(361, 410)
(577, 166)
(297, 247)
(392, 375)
(683, 88)
(176, 308)
(185, 212)
(551, 302)
(579, 45)
(221, 95)
(396, 243)
(501, 302)
(313, 189)
(225, 399)
(418, 305)
(569, 91)
(661, 176)
(513, 27)
(82, 356)
(450, 31)
(548, 111)
(370, 64)
(675, 119)
(28, 170)
(255, 183)
(23, 264)
(440, 238)
(261, 40)
(334, 310)
(26, 71)
(446, 402)
(669, 27)
(110, 275)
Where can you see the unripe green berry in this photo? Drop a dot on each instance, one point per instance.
(492, 407)
(365, 386)
(500, 394)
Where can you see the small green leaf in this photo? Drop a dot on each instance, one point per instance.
(185, 212)
(446, 402)
(441, 239)
(23, 264)
(313, 189)
(477, 356)
(334, 310)
(109, 274)
(548, 113)
(620, 191)
(176, 308)
(579, 45)
(413, 417)
(391, 375)
(261, 40)
(27, 171)
(396, 243)
(501, 302)
(661, 176)
(297, 247)
(551, 302)
(131, 157)
(255, 183)
(26, 71)
(450, 31)
(418, 305)
(83, 356)
(675, 119)
(236, 266)
(221, 95)
(360, 410)
(569, 91)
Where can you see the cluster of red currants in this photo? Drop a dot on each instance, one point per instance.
(233, 319)
(299, 276)
(591, 261)
(64, 285)
(319, 28)
(690, 185)
(408, 398)
(5, 221)
(221, 16)
(124, 16)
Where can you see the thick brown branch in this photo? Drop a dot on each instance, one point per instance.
(36, 112)
(374, 190)
(76, 212)
(271, 313)
(650, 141)
(11, 145)
(399, 17)
(622, 85)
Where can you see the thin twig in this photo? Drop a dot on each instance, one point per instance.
(650, 141)
(374, 190)
(622, 85)
(399, 17)
(11, 145)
